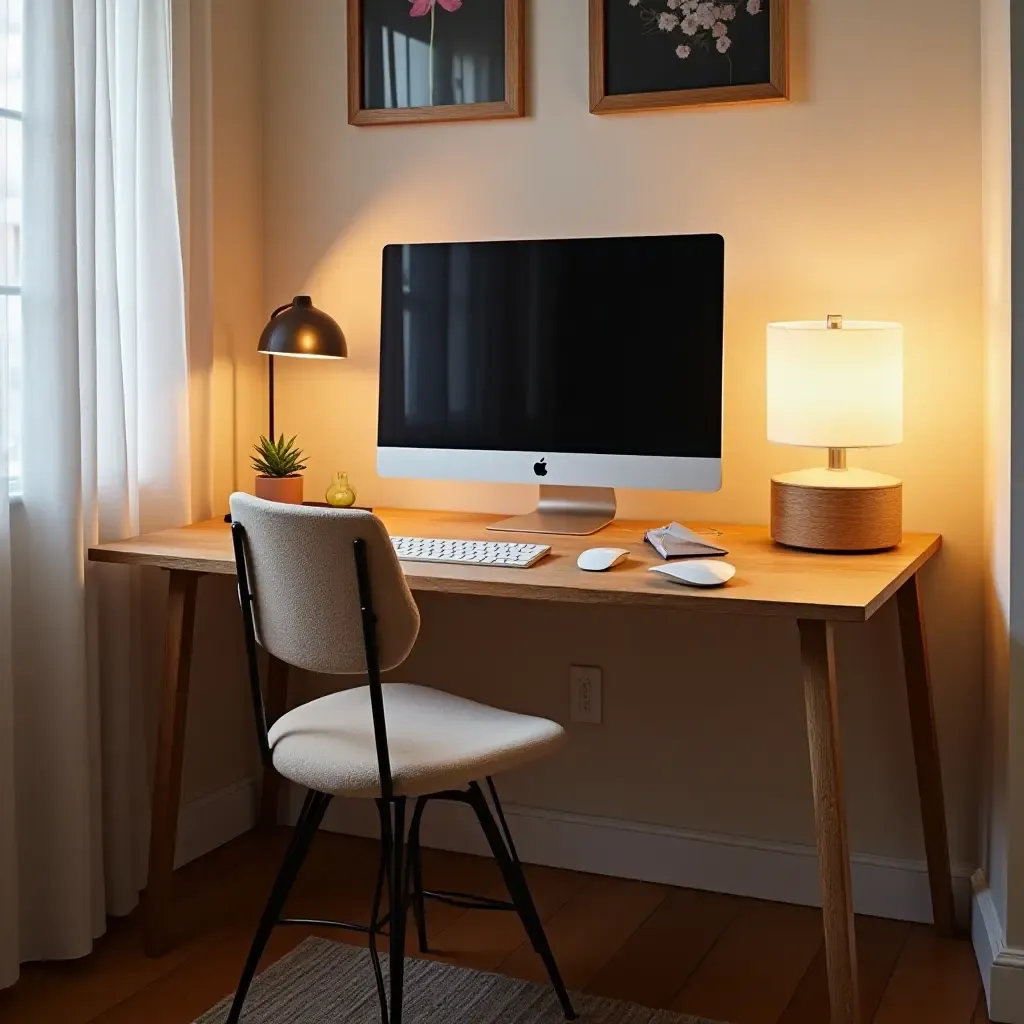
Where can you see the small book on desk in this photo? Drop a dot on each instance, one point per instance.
(675, 541)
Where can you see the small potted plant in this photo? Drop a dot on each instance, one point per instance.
(278, 466)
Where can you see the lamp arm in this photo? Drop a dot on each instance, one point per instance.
(270, 368)
(270, 381)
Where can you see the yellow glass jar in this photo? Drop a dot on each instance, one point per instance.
(341, 494)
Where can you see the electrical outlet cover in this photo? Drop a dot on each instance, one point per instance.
(585, 694)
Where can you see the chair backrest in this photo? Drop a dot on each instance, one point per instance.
(305, 590)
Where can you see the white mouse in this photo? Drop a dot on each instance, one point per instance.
(600, 559)
(703, 572)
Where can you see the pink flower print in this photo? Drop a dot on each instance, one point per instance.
(422, 7)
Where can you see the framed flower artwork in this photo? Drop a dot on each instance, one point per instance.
(435, 60)
(648, 54)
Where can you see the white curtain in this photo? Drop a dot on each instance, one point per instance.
(106, 438)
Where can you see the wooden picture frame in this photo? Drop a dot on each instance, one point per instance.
(512, 105)
(774, 89)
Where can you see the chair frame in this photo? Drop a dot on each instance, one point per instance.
(401, 866)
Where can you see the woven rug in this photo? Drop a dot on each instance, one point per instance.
(325, 982)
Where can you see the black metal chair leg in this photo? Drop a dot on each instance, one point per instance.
(383, 874)
(312, 815)
(501, 818)
(416, 864)
(397, 912)
(519, 890)
(511, 846)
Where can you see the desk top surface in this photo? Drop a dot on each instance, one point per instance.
(770, 580)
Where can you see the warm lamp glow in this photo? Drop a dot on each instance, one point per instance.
(835, 388)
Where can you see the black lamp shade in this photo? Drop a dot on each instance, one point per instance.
(300, 329)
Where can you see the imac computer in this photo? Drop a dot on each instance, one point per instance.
(579, 364)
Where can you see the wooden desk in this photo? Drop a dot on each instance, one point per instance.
(813, 590)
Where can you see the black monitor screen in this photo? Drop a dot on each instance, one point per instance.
(608, 346)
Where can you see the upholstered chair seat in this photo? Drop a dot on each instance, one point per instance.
(437, 741)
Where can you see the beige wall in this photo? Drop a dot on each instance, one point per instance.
(1004, 222)
(998, 912)
(220, 743)
(1015, 713)
(998, 325)
(860, 196)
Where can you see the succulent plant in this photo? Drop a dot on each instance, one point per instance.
(277, 458)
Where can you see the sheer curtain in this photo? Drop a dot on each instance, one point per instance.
(105, 425)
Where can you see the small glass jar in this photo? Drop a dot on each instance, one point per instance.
(341, 494)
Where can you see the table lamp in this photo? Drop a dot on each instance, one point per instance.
(300, 330)
(836, 385)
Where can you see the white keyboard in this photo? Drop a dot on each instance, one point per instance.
(469, 552)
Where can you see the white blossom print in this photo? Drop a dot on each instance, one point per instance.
(704, 23)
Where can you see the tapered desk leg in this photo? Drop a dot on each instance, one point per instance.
(276, 703)
(181, 610)
(830, 814)
(926, 754)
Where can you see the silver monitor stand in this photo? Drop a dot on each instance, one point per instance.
(572, 511)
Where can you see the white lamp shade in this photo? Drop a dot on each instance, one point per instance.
(835, 387)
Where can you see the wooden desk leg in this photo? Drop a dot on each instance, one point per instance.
(276, 703)
(181, 610)
(830, 813)
(926, 754)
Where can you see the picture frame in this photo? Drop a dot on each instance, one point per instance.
(401, 51)
(684, 40)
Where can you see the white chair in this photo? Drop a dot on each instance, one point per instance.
(322, 589)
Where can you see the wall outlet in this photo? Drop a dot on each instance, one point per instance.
(585, 694)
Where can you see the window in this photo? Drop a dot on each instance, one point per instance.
(10, 228)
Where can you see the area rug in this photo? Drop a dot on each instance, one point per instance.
(324, 982)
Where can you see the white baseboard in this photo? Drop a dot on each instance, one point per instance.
(986, 931)
(1001, 966)
(205, 824)
(783, 872)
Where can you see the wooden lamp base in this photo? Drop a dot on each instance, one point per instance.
(837, 510)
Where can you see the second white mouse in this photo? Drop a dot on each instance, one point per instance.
(702, 572)
(599, 559)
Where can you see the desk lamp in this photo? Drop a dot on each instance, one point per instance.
(836, 385)
(300, 330)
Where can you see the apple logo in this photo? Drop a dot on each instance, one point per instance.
(541, 468)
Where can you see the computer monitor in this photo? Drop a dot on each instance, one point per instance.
(580, 364)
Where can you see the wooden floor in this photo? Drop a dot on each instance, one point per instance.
(737, 960)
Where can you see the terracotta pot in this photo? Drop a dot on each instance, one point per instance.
(286, 489)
